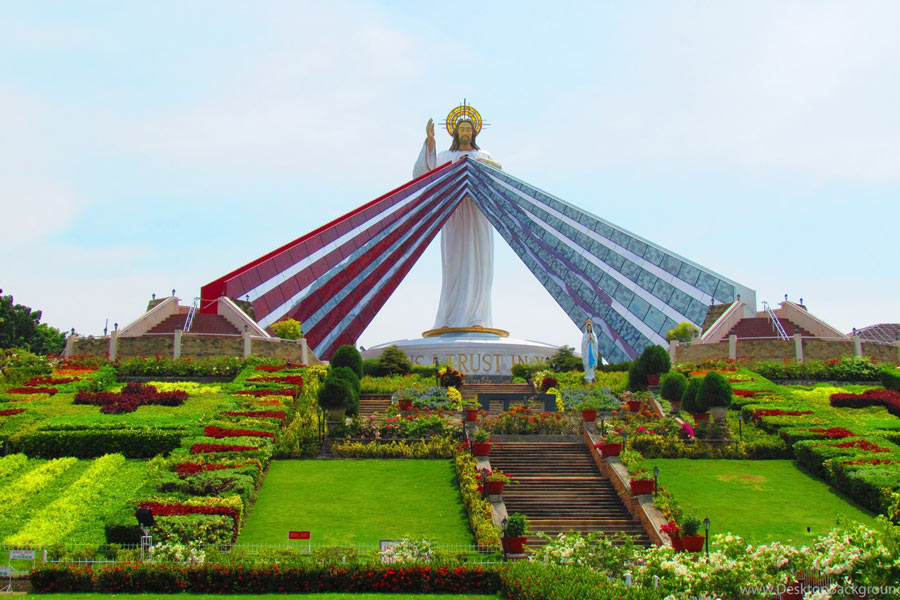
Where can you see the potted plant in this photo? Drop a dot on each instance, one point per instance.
(654, 361)
(495, 482)
(514, 534)
(610, 446)
(690, 526)
(690, 403)
(673, 386)
(471, 407)
(481, 443)
(673, 530)
(715, 393)
(596, 401)
(642, 483)
(334, 397)
(632, 401)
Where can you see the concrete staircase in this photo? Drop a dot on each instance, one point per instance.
(203, 323)
(371, 404)
(560, 489)
(762, 327)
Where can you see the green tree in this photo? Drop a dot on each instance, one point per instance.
(21, 327)
(564, 360)
(683, 332)
(348, 356)
(288, 329)
(393, 361)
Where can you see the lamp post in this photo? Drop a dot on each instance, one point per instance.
(624, 441)
(503, 524)
(602, 426)
(484, 475)
(706, 529)
(655, 479)
(741, 425)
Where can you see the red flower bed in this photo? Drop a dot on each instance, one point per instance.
(777, 412)
(285, 379)
(130, 398)
(79, 368)
(833, 432)
(292, 392)
(205, 448)
(188, 468)
(549, 382)
(51, 380)
(177, 510)
(258, 414)
(221, 432)
(11, 411)
(271, 368)
(890, 399)
(32, 390)
(862, 445)
(750, 393)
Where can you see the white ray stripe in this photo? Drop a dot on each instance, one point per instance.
(288, 304)
(354, 312)
(310, 259)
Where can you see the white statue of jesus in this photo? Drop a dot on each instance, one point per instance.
(467, 240)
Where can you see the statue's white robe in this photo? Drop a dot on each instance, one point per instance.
(590, 355)
(467, 254)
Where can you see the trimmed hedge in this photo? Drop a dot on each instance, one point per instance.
(136, 442)
(890, 378)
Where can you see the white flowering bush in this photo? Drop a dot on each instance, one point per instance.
(191, 554)
(609, 555)
(408, 551)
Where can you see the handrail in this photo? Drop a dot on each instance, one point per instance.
(190, 316)
(774, 318)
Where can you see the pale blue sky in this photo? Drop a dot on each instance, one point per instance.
(151, 146)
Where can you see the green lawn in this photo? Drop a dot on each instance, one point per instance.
(358, 502)
(760, 500)
(270, 596)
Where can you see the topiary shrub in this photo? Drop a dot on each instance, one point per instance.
(393, 361)
(689, 398)
(370, 367)
(335, 393)
(348, 356)
(347, 374)
(655, 360)
(714, 391)
(288, 329)
(673, 387)
(564, 360)
(637, 376)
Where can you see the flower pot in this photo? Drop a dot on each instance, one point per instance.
(676, 405)
(700, 417)
(653, 379)
(678, 544)
(471, 415)
(404, 404)
(718, 413)
(644, 486)
(481, 448)
(589, 415)
(634, 405)
(693, 543)
(609, 449)
(514, 545)
(492, 488)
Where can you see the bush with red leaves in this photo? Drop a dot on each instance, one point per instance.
(777, 412)
(188, 468)
(292, 392)
(206, 448)
(549, 382)
(833, 433)
(221, 432)
(285, 379)
(258, 414)
(51, 380)
(130, 398)
(862, 445)
(32, 390)
(890, 399)
(869, 461)
(11, 411)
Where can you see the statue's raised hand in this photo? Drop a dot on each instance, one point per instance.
(429, 135)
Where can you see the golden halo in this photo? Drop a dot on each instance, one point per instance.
(462, 111)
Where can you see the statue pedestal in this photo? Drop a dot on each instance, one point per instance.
(484, 355)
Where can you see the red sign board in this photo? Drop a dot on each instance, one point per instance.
(298, 535)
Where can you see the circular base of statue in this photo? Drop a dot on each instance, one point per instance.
(473, 329)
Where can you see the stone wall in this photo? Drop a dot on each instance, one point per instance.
(91, 346)
(289, 350)
(203, 346)
(774, 349)
(134, 347)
